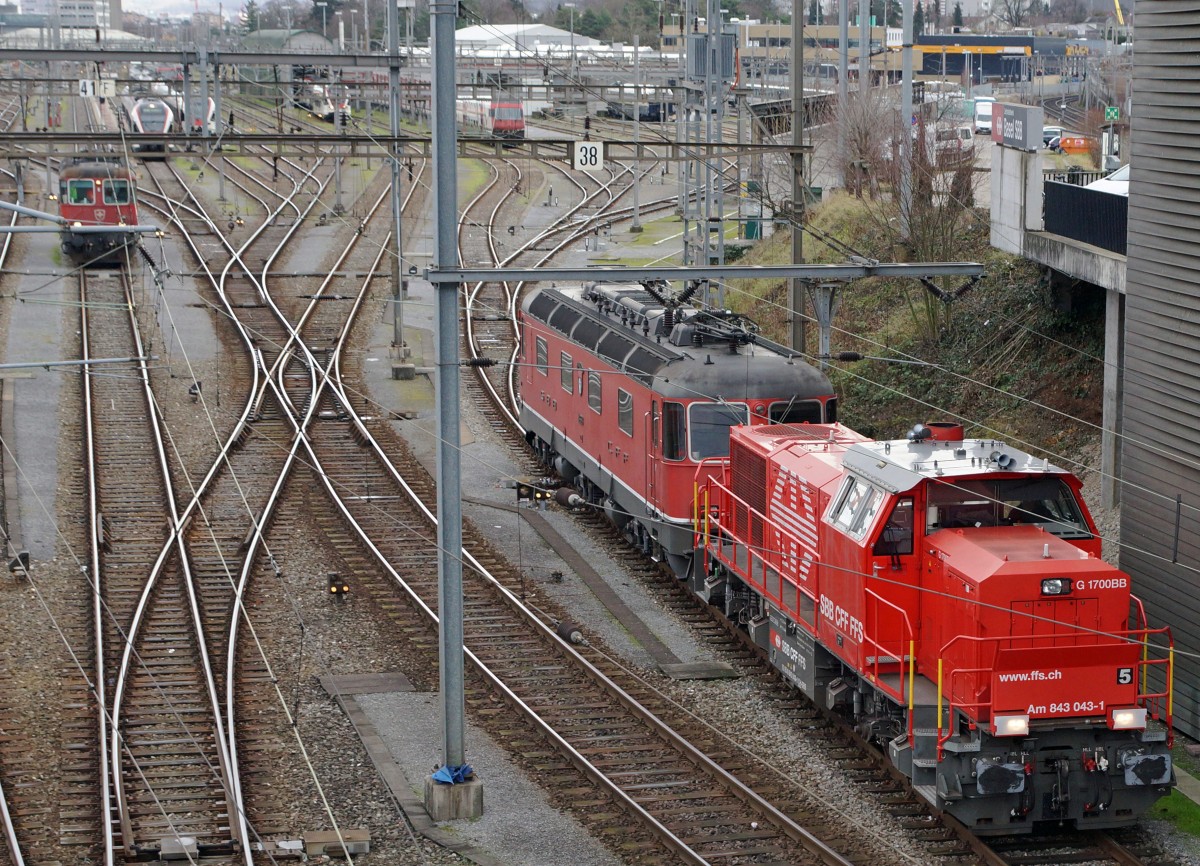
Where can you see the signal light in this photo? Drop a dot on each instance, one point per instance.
(531, 491)
(338, 588)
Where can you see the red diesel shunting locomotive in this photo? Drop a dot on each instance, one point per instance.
(97, 193)
(948, 596)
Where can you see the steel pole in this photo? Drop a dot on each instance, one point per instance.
(799, 184)
(864, 46)
(399, 286)
(636, 226)
(906, 113)
(445, 192)
(843, 83)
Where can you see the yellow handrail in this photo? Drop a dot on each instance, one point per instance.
(1170, 685)
(912, 668)
(939, 708)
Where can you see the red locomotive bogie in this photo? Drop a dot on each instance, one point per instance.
(949, 596)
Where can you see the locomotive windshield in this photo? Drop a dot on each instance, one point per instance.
(709, 425)
(1047, 502)
(116, 192)
(796, 412)
(81, 192)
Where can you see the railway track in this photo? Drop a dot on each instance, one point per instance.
(337, 437)
(12, 746)
(167, 766)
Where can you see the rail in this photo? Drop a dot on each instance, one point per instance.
(10, 833)
(576, 758)
(982, 708)
(1074, 175)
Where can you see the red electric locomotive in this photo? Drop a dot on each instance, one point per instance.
(625, 392)
(93, 194)
(946, 594)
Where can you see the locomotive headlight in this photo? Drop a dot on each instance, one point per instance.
(1128, 719)
(1010, 726)
(1056, 586)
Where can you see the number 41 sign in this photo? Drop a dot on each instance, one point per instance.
(588, 156)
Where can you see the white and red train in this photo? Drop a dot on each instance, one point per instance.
(164, 115)
(946, 594)
(490, 118)
(93, 195)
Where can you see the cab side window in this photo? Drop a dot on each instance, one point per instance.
(857, 504)
(896, 538)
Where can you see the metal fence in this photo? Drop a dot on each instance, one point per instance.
(1088, 215)
(1074, 175)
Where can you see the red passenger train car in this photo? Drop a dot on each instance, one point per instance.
(947, 595)
(94, 194)
(626, 391)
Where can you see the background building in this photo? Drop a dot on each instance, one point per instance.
(1160, 497)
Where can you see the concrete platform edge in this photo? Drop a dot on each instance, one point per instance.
(401, 787)
(1187, 784)
(596, 584)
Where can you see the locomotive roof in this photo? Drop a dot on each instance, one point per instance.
(96, 168)
(625, 326)
(900, 465)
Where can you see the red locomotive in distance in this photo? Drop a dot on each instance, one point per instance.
(95, 193)
(947, 595)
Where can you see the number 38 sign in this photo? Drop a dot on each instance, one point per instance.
(588, 156)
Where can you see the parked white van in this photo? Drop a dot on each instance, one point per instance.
(983, 114)
(953, 144)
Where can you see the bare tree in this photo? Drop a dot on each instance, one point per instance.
(1070, 11)
(1016, 13)
(943, 185)
(281, 14)
(865, 121)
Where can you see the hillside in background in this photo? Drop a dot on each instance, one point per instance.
(1010, 357)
